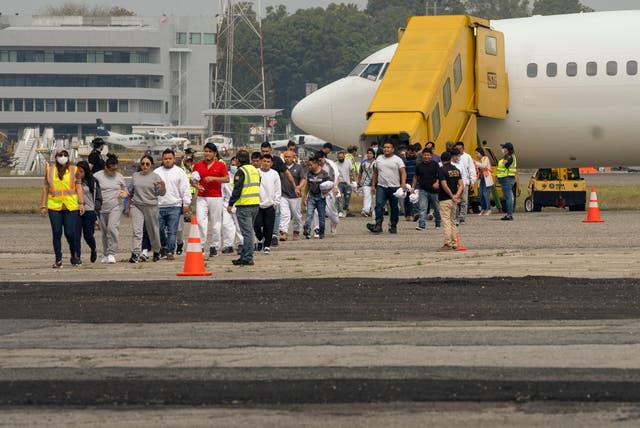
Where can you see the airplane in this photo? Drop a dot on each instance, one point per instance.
(581, 108)
(152, 140)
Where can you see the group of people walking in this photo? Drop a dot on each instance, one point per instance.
(254, 201)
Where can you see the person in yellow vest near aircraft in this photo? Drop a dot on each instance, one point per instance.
(246, 200)
(506, 175)
(63, 199)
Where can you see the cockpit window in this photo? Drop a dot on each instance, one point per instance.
(358, 69)
(372, 71)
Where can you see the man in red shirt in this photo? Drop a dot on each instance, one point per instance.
(208, 176)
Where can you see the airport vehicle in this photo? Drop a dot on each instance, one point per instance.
(153, 140)
(556, 187)
(565, 95)
(223, 144)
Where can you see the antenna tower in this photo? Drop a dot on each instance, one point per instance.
(239, 79)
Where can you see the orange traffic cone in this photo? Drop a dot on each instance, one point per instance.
(458, 246)
(593, 213)
(194, 261)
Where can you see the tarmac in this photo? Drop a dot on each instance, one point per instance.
(542, 309)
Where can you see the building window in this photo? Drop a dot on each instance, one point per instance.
(28, 104)
(532, 70)
(446, 96)
(7, 104)
(612, 68)
(552, 69)
(632, 68)
(50, 105)
(17, 104)
(60, 105)
(71, 105)
(457, 72)
(195, 38)
(113, 106)
(81, 106)
(39, 105)
(123, 106)
(181, 38)
(92, 105)
(209, 38)
(103, 106)
(592, 68)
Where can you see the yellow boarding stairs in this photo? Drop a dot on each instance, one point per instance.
(446, 71)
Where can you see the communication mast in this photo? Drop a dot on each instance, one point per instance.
(239, 75)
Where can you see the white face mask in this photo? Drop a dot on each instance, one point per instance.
(62, 160)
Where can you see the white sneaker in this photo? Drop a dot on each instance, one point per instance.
(341, 215)
(111, 259)
(333, 228)
(105, 259)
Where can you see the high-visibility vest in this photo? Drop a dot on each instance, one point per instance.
(188, 172)
(251, 187)
(503, 171)
(350, 158)
(62, 193)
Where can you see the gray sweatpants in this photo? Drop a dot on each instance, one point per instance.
(141, 215)
(110, 225)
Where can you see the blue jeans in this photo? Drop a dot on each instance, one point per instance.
(507, 190)
(168, 223)
(426, 200)
(86, 227)
(246, 215)
(343, 201)
(316, 203)
(485, 199)
(384, 195)
(68, 221)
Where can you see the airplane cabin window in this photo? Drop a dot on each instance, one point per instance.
(372, 71)
(632, 68)
(532, 69)
(572, 69)
(612, 68)
(384, 70)
(357, 70)
(592, 68)
(552, 69)
(446, 96)
(457, 72)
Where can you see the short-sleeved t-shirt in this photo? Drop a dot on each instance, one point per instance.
(427, 175)
(314, 180)
(389, 171)
(449, 173)
(212, 189)
(288, 190)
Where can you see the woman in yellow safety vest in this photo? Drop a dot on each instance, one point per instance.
(63, 199)
(506, 175)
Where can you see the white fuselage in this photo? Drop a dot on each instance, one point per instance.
(553, 121)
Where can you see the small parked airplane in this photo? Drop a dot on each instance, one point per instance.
(152, 140)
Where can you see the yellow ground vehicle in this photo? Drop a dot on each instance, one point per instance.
(497, 197)
(556, 187)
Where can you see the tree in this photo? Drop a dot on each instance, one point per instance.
(498, 9)
(81, 9)
(558, 7)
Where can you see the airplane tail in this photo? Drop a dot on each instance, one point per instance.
(101, 129)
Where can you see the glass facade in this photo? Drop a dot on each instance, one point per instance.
(75, 56)
(80, 105)
(81, 81)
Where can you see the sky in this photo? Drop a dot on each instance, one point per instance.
(210, 7)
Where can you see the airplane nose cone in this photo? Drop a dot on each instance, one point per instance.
(313, 114)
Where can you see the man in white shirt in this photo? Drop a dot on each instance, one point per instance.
(389, 175)
(468, 173)
(174, 203)
(347, 175)
(270, 193)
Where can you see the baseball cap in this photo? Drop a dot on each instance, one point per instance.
(507, 146)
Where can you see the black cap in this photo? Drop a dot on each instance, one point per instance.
(188, 151)
(97, 142)
(507, 146)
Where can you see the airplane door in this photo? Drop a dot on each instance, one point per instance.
(492, 91)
